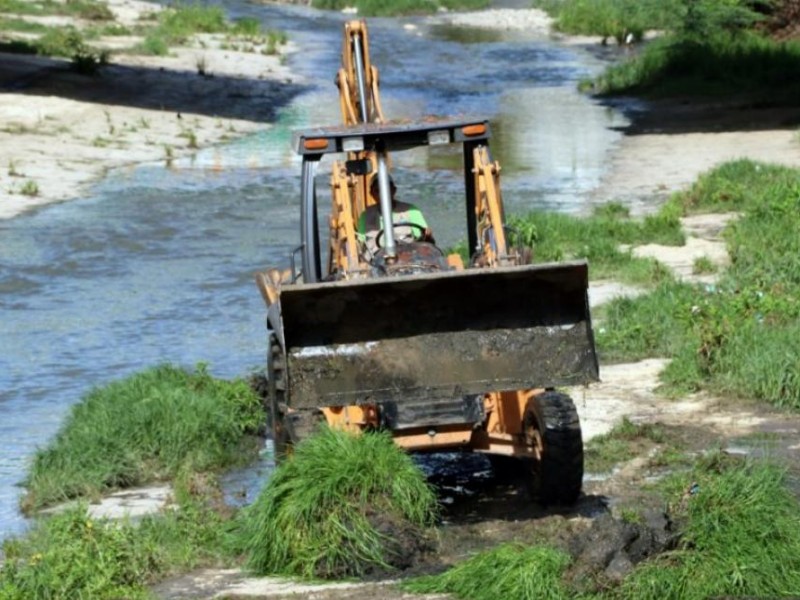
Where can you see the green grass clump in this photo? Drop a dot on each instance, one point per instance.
(146, 427)
(71, 555)
(612, 19)
(652, 325)
(624, 442)
(177, 24)
(20, 7)
(556, 237)
(316, 517)
(63, 41)
(721, 64)
(740, 537)
(21, 25)
(508, 571)
(381, 8)
(89, 10)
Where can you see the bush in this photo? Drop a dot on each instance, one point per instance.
(149, 426)
(332, 508)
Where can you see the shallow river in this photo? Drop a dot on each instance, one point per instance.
(156, 263)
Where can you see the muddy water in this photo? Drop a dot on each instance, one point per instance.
(156, 263)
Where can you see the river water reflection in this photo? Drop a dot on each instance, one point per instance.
(156, 264)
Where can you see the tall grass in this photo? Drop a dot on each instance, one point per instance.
(741, 538)
(71, 556)
(738, 336)
(178, 23)
(719, 64)
(148, 426)
(322, 511)
(710, 47)
(508, 571)
(377, 8)
(614, 19)
(555, 237)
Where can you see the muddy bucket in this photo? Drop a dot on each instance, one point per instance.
(438, 335)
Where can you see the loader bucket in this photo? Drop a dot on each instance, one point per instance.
(438, 335)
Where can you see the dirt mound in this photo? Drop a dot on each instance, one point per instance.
(606, 552)
(407, 548)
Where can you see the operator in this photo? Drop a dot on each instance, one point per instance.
(409, 223)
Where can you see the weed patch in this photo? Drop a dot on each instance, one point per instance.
(378, 8)
(720, 64)
(739, 336)
(71, 555)
(597, 238)
(740, 537)
(146, 427)
(624, 442)
(508, 571)
(342, 505)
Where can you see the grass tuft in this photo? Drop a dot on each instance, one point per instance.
(741, 537)
(319, 514)
(508, 571)
(625, 441)
(380, 8)
(149, 426)
(597, 238)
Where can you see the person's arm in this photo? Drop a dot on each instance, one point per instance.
(417, 218)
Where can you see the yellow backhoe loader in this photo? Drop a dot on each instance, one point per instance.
(444, 353)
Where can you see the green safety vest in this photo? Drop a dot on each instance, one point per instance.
(370, 223)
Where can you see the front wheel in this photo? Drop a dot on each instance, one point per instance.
(552, 428)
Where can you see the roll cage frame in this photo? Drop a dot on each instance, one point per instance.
(380, 139)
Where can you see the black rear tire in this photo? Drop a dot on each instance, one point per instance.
(551, 425)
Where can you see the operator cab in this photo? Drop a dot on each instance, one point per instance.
(367, 147)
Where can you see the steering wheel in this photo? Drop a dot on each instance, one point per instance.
(416, 226)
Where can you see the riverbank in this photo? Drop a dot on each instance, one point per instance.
(62, 130)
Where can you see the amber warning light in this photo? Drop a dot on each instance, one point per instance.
(315, 144)
(472, 130)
